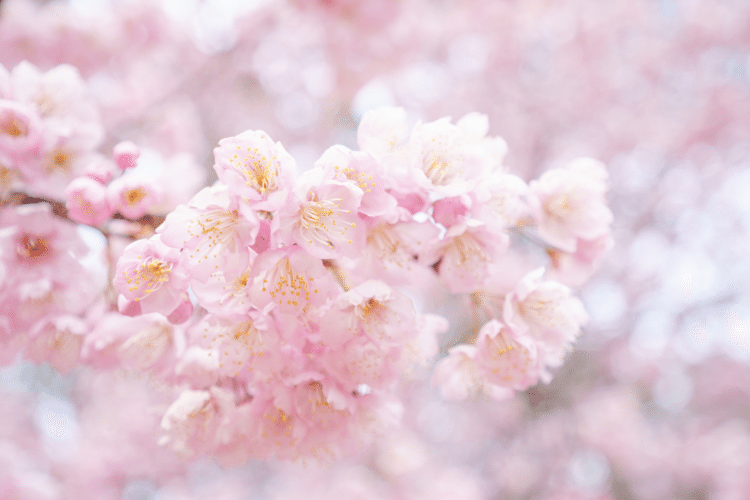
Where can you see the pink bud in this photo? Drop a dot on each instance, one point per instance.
(100, 171)
(87, 201)
(126, 155)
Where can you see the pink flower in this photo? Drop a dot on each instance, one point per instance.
(126, 155)
(255, 169)
(499, 200)
(276, 429)
(148, 272)
(57, 341)
(220, 296)
(576, 268)
(245, 346)
(546, 310)
(215, 233)
(290, 278)
(373, 310)
(133, 195)
(451, 211)
(458, 377)
(20, 132)
(360, 361)
(140, 343)
(59, 95)
(37, 242)
(62, 159)
(448, 159)
(507, 358)
(363, 171)
(465, 253)
(190, 424)
(318, 403)
(87, 201)
(324, 219)
(391, 248)
(569, 203)
(382, 130)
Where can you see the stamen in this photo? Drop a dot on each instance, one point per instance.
(261, 173)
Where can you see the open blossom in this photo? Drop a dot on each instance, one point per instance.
(215, 232)
(362, 170)
(546, 310)
(372, 309)
(243, 345)
(133, 195)
(256, 169)
(137, 343)
(223, 296)
(361, 364)
(507, 358)
(57, 341)
(465, 253)
(60, 96)
(500, 200)
(574, 269)
(49, 123)
(323, 220)
(458, 377)
(61, 160)
(149, 273)
(189, 425)
(319, 403)
(290, 278)
(391, 248)
(36, 243)
(381, 131)
(448, 159)
(20, 131)
(569, 203)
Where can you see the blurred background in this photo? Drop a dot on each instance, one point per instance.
(654, 401)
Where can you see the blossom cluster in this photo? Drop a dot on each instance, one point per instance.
(53, 180)
(301, 334)
(651, 403)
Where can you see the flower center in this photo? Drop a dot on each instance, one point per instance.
(289, 286)
(466, 248)
(133, 196)
(150, 275)
(58, 161)
(14, 127)
(33, 248)
(558, 206)
(260, 172)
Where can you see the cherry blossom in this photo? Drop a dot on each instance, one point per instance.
(546, 310)
(149, 273)
(87, 201)
(568, 203)
(255, 169)
(297, 309)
